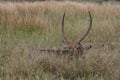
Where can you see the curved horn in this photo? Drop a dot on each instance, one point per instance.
(90, 25)
(63, 33)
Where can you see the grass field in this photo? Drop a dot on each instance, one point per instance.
(26, 27)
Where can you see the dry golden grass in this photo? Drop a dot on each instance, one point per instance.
(34, 13)
(25, 27)
(45, 14)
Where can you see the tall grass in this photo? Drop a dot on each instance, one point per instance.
(25, 27)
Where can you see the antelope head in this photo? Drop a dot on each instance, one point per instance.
(76, 46)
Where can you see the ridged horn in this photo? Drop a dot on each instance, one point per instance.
(90, 25)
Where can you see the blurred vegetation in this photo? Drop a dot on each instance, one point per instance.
(64, 0)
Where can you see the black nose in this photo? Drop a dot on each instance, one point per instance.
(90, 46)
(86, 47)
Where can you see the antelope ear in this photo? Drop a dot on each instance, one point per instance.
(86, 47)
(63, 44)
